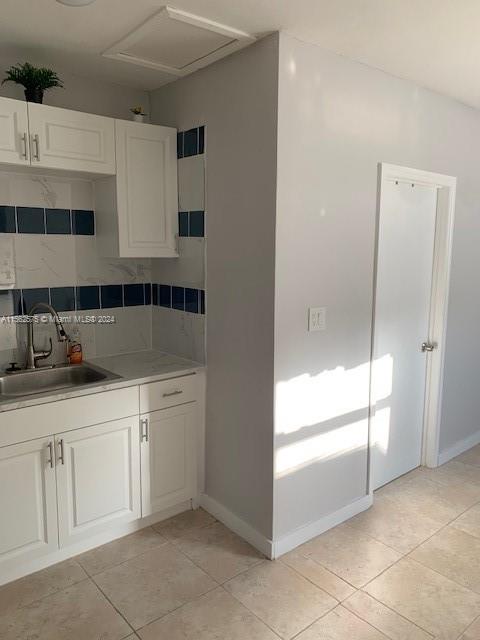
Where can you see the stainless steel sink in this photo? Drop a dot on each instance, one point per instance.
(27, 383)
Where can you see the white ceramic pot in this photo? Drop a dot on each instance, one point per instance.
(139, 117)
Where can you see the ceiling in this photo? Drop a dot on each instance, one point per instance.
(435, 43)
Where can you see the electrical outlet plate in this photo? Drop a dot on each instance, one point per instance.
(317, 318)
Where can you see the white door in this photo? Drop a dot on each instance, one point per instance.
(28, 502)
(147, 192)
(98, 478)
(401, 325)
(72, 140)
(168, 457)
(14, 147)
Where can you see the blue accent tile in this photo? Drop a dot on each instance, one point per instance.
(88, 297)
(133, 295)
(63, 298)
(180, 144)
(190, 143)
(183, 224)
(17, 302)
(164, 295)
(111, 296)
(191, 300)
(7, 219)
(178, 298)
(58, 221)
(197, 224)
(30, 220)
(201, 139)
(83, 222)
(154, 293)
(202, 301)
(33, 296)
(148, 293)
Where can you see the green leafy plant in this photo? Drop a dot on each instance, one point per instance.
(34, 79)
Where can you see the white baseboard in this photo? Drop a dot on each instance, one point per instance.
(303, 534)
(233, 522)
(274, 549)
(26, 568)
(458, 448)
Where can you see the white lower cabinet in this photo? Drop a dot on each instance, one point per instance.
(168, 455)
(63, 490)
(28, 502)
(98, 479)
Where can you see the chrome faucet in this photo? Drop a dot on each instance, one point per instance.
(32, 355)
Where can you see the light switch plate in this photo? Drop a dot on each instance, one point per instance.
(317, 319)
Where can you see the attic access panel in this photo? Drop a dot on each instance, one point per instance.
(178, 43)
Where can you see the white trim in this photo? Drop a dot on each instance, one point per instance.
(458, 448)
(446, 186)
(313, 529)
(236, 524)
(26, 568)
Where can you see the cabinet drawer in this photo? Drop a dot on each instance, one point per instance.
(63, 415)
(168, 393)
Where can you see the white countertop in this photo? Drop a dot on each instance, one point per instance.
(134, 368)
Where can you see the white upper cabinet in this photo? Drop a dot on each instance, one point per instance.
(14, 142)
(147, 198)
(71, 140)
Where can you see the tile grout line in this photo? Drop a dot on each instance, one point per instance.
(111, 603)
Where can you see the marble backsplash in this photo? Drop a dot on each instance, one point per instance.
(67, 259)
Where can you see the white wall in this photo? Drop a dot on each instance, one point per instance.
(337, 120)
(236, 99)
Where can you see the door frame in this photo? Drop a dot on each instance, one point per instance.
(442, 254)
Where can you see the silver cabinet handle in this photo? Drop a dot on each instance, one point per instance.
(61, 456)
(144, 430)
(427, 346)
(172, 393)
(36, 143)
(50, 459)
(24, 142)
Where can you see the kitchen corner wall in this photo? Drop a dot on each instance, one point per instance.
(178, 322)
(50, 224)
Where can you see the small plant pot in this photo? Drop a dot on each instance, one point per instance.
(34, 95)
(139, 117)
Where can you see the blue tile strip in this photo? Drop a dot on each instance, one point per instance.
(179, 298)
(91, 297)
(191, 142)
(191, 224)
(37, 220)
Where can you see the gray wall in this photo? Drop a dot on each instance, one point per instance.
(84, 94)
(236, 99)
(337, 120)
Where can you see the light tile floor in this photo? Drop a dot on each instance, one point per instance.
(406, 569)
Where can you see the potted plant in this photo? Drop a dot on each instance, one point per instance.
(138, 114)
(35, 80)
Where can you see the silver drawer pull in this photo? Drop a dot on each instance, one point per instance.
(172, 393)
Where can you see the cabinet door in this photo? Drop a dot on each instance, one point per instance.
(98, 478)
(65, 139)
(168, 459)
(14, 147)
(147, 194)
(28, 502)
